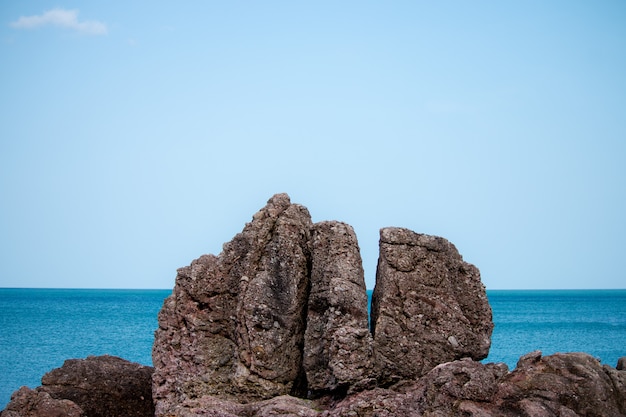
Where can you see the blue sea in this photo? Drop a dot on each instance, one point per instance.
(43, 327)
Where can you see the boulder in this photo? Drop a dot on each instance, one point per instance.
(428, 306)
(337, 343)
(103, 386)
(99, 386)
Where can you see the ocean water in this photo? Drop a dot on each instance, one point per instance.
(40, 328)
(591, 321)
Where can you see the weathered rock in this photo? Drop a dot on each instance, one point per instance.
(621, 364)
(283, 310)
(26, 402)
(338, 344)
(572, 384)
(103, 386)
(234, 325)
(563, 385)
(449, 389)
(284, 406)
(428, 307)
(99, 386)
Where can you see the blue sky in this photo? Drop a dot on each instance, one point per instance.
(135, 137)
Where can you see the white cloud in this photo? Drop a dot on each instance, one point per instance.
(61, 18)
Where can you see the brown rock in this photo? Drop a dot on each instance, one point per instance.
(234, 325)
(560, 385)
(38, 403)
(428, 306)
(338, 344)
(455, 388)
(103, 386)
(563, 384)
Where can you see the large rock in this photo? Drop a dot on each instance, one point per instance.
(234, 324)
(428, 306)
(338, 344)
(99, 386)
(103, 386)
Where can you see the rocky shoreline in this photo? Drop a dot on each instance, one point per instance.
(277, 324)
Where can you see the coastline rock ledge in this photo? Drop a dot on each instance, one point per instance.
(277, 325)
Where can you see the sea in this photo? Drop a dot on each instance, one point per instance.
(41, 328)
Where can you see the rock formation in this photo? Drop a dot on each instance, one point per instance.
(283, 310)
(428, 306)
(277, 325)
(99, 386)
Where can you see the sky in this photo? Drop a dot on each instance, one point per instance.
(137, 136)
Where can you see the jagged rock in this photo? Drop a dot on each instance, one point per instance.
(234, 324)
(338, 344)
(428, 307)
(99, 386)
(103, 386)
(26, 402)
(621, 364)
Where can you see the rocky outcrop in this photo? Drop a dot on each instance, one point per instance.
(283, 311)
(428, 306)
(99, 386)
(277, 325)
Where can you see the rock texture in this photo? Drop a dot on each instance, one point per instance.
(338, 344)
(428, 306)
(99, 386)
(26, 402)
(560, 385)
